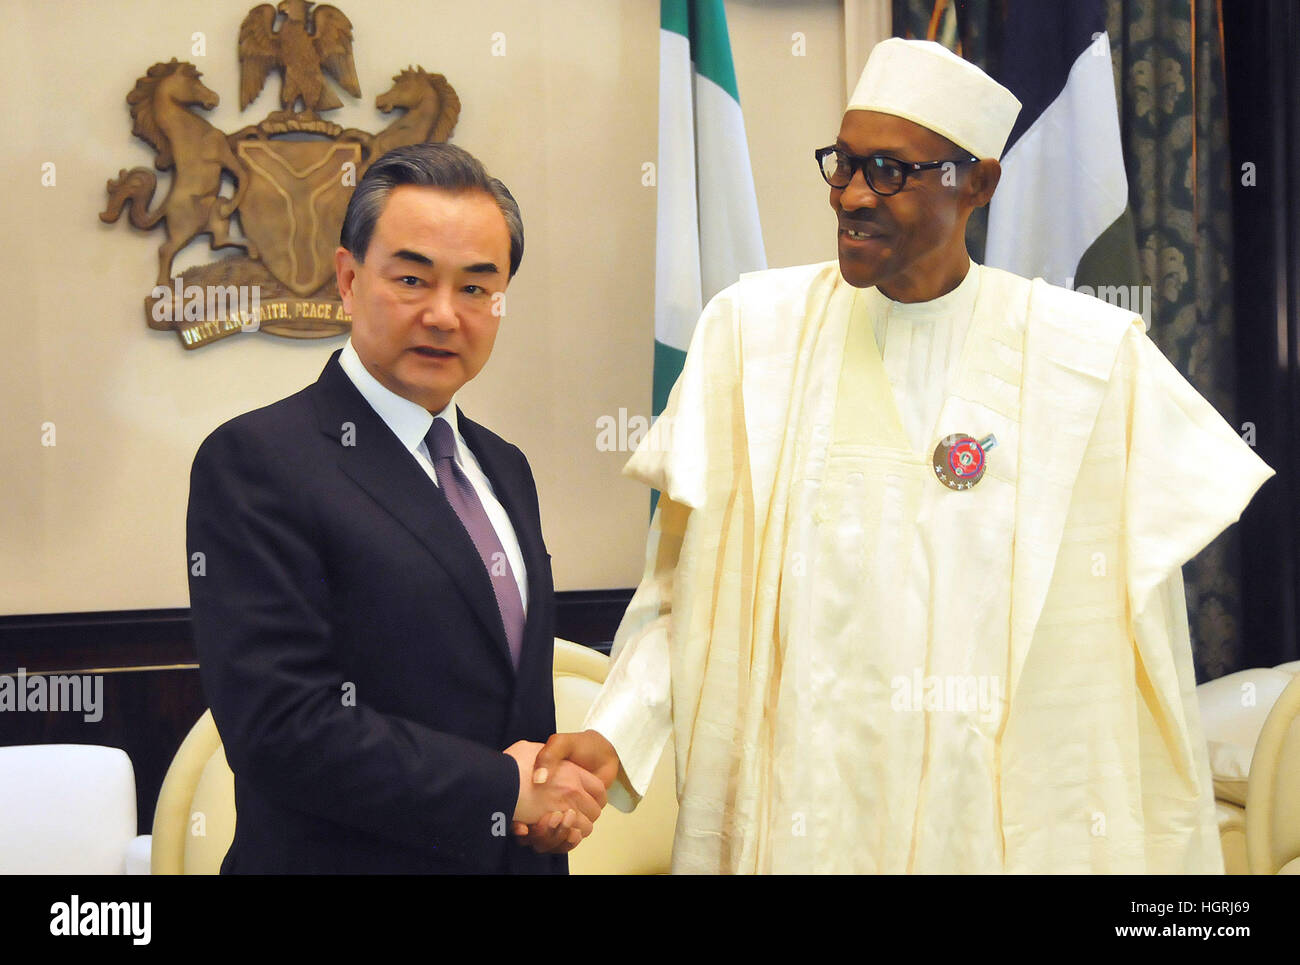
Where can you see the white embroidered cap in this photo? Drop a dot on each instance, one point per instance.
(926, 83)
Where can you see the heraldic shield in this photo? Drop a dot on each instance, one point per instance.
(293, 210)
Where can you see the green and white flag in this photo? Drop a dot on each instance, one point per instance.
(707, 225)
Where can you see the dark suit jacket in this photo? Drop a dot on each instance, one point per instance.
(351, 648)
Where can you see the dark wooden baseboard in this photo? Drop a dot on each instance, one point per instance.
(119, 639)
(146, 712)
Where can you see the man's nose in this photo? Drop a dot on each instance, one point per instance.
(440, 310)
(858, 194)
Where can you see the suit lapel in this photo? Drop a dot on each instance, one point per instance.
(375, 459)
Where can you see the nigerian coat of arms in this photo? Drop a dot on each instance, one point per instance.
(292, 174)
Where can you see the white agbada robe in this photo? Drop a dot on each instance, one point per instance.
(854, 712)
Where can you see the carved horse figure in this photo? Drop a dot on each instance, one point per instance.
(199, 152)
(430, 110)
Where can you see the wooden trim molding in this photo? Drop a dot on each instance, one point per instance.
(118, 640)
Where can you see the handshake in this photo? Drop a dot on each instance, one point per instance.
(562, 786)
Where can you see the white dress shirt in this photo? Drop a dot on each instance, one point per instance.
(411, 422)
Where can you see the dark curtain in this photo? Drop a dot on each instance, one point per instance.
(1168, 59)
(1261, 40)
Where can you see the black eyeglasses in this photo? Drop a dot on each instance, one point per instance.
(885, 175)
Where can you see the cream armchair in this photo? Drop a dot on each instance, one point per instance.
(194, 822)
(1273, 792)
(636, 843)
(1254, 749)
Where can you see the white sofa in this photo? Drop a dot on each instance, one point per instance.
(69, 809)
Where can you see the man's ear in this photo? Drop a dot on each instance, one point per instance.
(984, 179)
(345, 270)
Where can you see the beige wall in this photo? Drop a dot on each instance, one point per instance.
(566, 118)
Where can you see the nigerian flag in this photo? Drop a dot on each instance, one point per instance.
(1061, 210)
(707, 230)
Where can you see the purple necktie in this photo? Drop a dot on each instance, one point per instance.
(460, 493)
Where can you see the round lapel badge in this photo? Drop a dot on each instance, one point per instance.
(959, 460)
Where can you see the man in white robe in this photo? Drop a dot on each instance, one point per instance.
(913, 598)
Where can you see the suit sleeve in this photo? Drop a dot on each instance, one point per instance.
(290, 726)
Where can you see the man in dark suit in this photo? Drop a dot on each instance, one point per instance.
(371, 594)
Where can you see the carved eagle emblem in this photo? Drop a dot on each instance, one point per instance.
(313, 40)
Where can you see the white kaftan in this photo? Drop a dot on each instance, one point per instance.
(867, 671)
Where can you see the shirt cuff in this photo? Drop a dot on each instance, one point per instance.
(633, 711)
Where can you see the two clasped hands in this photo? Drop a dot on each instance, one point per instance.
(562, 786)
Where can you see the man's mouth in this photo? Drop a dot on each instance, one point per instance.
(862, 233)
(429, 352)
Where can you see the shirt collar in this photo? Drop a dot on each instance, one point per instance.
(958, 301)
(409, 420)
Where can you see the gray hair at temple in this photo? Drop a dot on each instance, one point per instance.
(426, 165)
